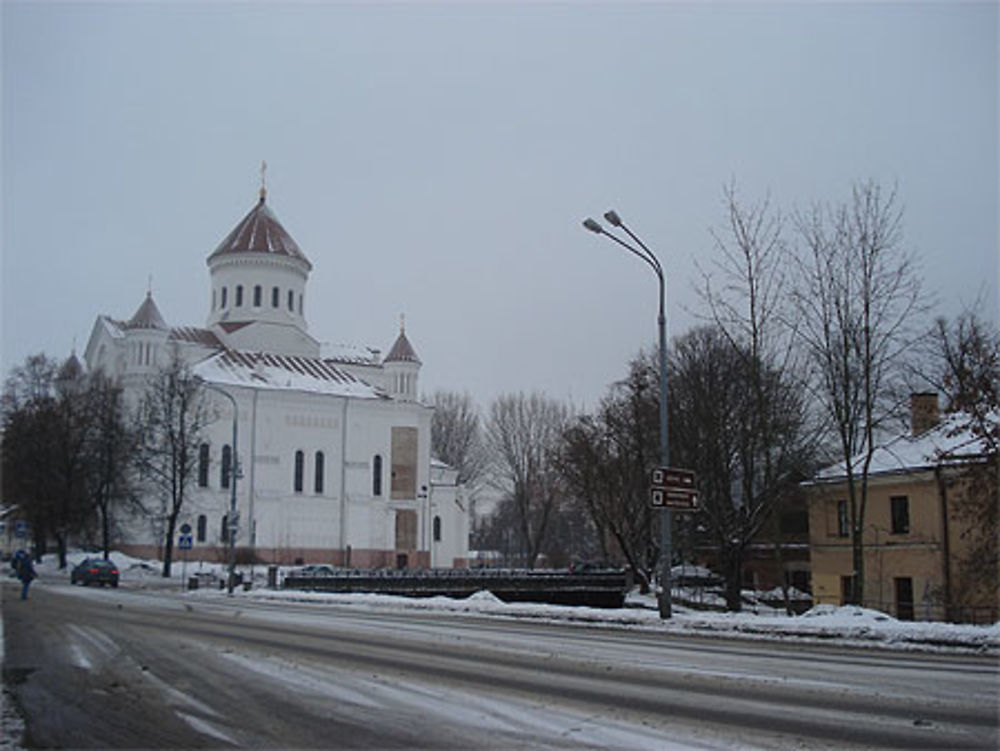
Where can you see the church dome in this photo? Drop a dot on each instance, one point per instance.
(260, 232)
(147, 316)
(402, 350)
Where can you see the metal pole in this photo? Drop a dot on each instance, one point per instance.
(666, 518)
(666, 515)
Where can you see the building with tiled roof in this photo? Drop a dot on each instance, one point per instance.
(334, 446)
(916, 532)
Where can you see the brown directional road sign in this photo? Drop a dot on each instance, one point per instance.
(673, 488)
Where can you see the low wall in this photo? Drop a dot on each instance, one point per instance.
(604, 589)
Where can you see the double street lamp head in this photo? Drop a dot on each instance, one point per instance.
(611, 217)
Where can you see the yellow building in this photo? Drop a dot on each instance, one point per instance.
(916, 525)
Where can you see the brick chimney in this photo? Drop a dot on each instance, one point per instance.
(923, 412)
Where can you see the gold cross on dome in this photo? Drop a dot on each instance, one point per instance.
(263, 180)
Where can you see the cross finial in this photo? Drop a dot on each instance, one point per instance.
(402, 323)
(149, 285)
(263, 180)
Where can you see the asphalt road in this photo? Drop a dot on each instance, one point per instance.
(137, 669)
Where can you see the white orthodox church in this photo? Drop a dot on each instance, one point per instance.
(334, 451)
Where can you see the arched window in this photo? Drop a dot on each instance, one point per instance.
(239, 295)
(257, 293)
(223, 306)
(318, 484)
(300, 465)
(203, 466)
(300, 304)
(227, 466)
(224, 534)
(274, 297)
(291, 301)
(202, 527)
(437, 529)
(377, 475)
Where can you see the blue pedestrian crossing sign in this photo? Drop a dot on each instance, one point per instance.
(184, 542)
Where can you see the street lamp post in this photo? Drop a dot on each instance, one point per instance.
(643, 252)
(231, 522)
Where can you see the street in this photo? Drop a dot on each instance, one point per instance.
(124, 668)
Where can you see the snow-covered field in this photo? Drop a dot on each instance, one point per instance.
(848, 626)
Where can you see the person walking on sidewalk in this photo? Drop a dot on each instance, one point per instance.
(26, 573)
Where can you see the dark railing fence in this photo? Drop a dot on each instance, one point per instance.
(603, 589)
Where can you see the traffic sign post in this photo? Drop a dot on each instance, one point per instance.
(674, 489)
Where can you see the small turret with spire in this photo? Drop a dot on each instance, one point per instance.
(402, 365)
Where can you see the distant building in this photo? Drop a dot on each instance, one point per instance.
(915, 535)
(334, 448)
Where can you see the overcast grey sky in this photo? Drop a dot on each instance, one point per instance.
(437, 159)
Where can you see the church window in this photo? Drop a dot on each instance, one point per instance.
(300, 304)
(203, 466)
(300, 464)
(377, 475)
(437, 529)
(227, 465)
(224, 534)
(239, 295)
(291, 301)
(274, 297)
(318, 480)
(223, 306)
(202, 527)
(257, 292)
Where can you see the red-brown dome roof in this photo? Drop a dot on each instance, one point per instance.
(260, 232)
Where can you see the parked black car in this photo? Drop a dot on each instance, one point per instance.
(95, 571)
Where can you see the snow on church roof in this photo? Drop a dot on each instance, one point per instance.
(283, 372)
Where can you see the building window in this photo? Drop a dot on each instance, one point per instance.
(300, 465)
(202, 527)
(318, 484)
(274, 297)
(224, 534)
(437, 529)
(227, 466)
(900, 506)
(257, 295)
(377, 475)
(239, 295)
(223, 306)
(203, 466)
(300, 304)
(291, 301)
(843, 521)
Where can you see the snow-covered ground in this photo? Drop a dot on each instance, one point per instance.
(848, 626)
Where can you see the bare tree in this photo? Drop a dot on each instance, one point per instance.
(457, 437)
(966, 369)
(29, 427)
(606, 460)
(857, 305)
(47, 426)
(712, 419)
(110, 458)
(523, 435)
(746, 294)
(173, 415)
